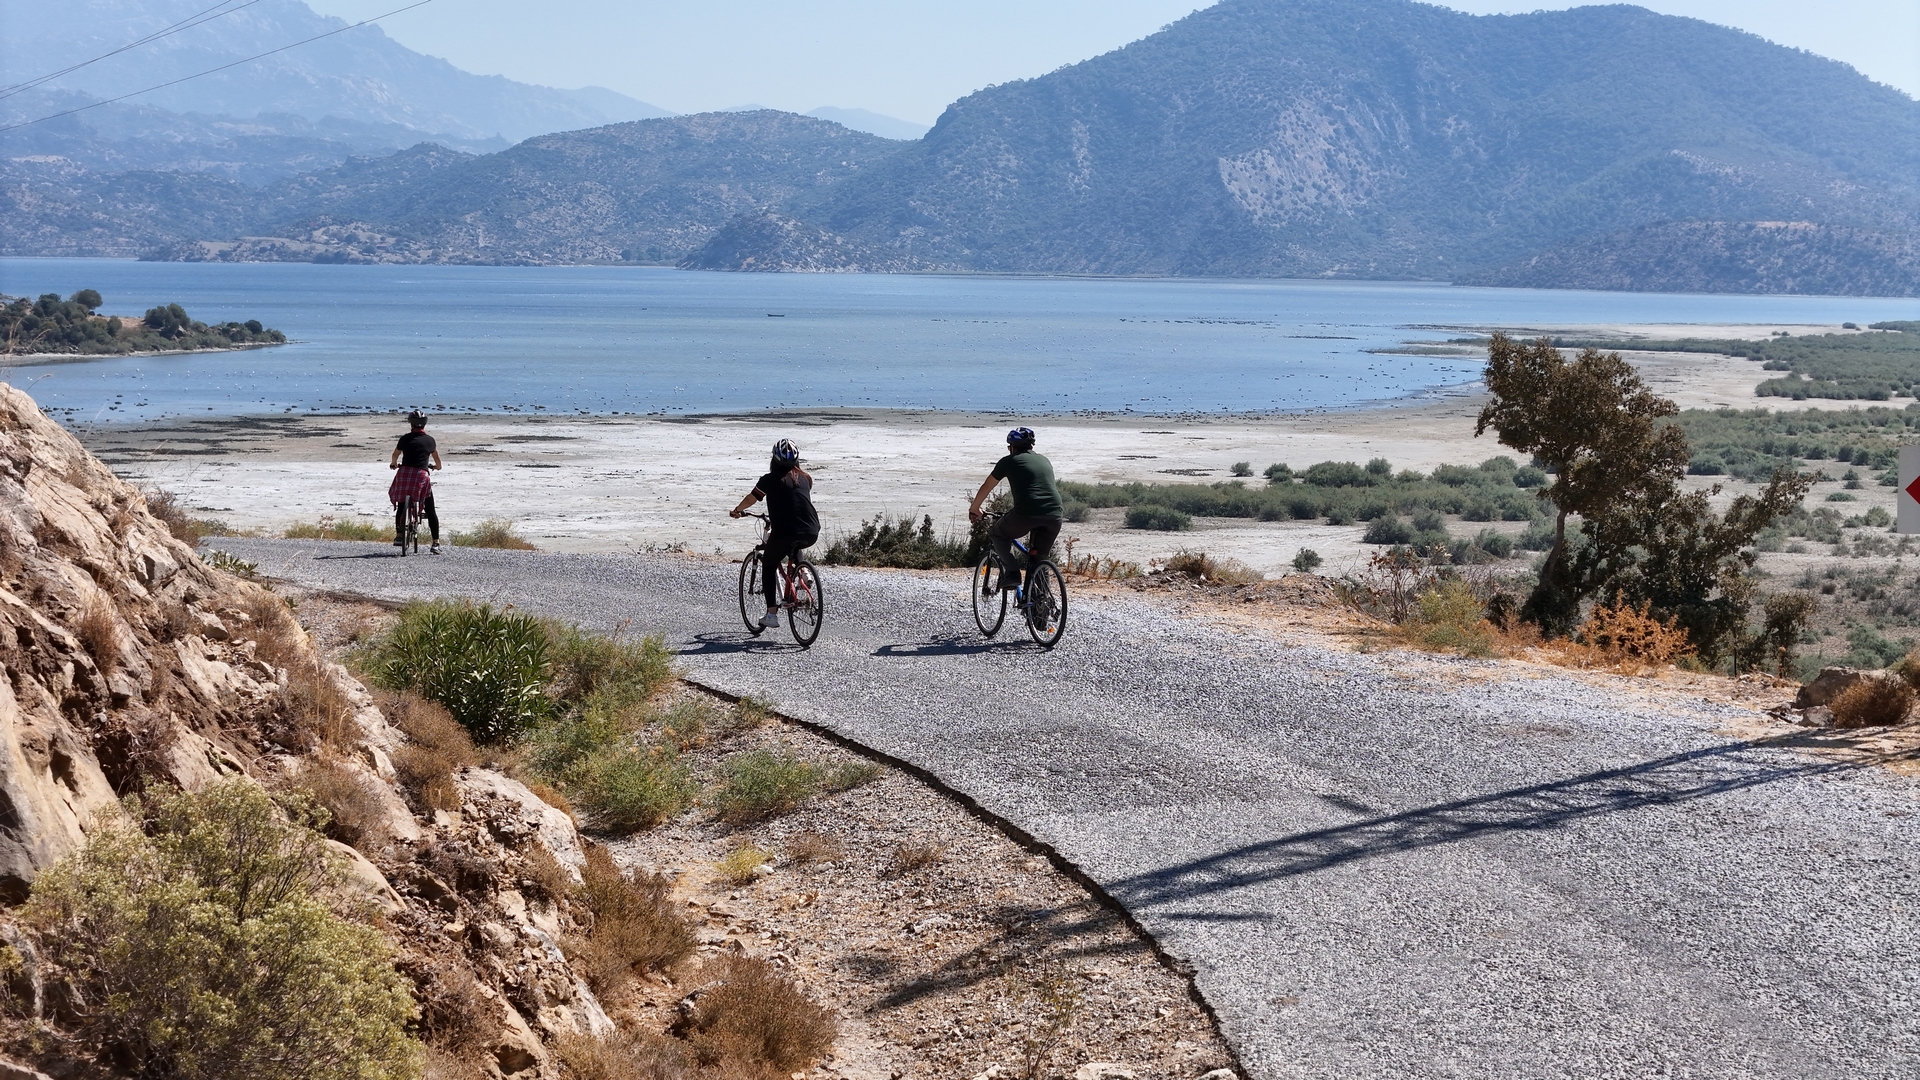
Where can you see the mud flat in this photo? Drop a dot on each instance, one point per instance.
(625, 484)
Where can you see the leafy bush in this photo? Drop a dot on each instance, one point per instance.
(199, 936)
(740, 865)
(1388, 530)
(1278, 473)
(760, 784)
(1074, 510)
(1162, 518)
(1306, 560)
(899, 543)
(1449, 617)
(626, 789)
(1337, 474)
(487, 667)
(1242, 468)
(493, 533)
(584, 665)
(1873, 702)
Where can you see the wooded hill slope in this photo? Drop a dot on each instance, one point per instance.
(1381, 138)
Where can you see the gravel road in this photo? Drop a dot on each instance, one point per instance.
(1377, 866)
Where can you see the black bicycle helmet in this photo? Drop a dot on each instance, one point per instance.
(416, 418)
(1020, 436)
(786, 453)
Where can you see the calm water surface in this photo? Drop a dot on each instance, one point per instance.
(656, 341)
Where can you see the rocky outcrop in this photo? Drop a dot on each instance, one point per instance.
(131, 665)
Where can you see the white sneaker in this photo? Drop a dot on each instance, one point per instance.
(770, 621)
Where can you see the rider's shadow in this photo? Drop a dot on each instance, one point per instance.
(952, 646)
(362, 555)
(736, 642)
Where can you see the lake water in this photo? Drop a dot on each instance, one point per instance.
(657, 341)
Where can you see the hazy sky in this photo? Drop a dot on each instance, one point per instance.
(910, 58)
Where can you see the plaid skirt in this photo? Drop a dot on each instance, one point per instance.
(410, 483)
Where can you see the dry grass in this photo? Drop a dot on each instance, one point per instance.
(351, 798)
(493, 533)
(437, 746)
(276, 637)
(553, 797)
(1449, 618)
(1873, 702)
(910, 857)
(752, 1014)
(760, 784)
(315, 710)
(332, 528)
(455, 1013)
(738, 867)
(623, 1056)
(814, 847)
(99, 635)
(165, 506)
(752, 714)
(1201, 565)
(635, 926)
(545, 878)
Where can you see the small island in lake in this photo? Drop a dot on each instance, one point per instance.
(73, 326)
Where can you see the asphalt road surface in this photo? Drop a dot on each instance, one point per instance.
(1377, 866)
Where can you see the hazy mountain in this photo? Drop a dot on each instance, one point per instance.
(1382, 138)
(648, 191)
(873, 123)
(360, 76)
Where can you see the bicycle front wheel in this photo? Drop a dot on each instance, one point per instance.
(989, 599)
(808, 605)
(750, 570)
(1046, 604)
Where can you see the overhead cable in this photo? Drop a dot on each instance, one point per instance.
(210, 71)
(196, 19)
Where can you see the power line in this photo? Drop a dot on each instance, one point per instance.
(188, 23)
(210, 71)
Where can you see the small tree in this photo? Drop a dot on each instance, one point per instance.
(1594, 424)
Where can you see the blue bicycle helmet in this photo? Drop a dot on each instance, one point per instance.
(785, 452)
(1020, 436)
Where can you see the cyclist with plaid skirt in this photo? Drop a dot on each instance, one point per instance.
(412, 458)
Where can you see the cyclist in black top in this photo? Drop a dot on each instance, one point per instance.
(412, 457)
(794, 526)
(1037, 507)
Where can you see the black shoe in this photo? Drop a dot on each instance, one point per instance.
(399, 541)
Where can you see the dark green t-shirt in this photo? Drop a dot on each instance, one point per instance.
(1030, 477)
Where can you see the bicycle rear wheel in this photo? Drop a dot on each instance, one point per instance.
(989, 611)
(808, 605)
(750, 569)
(1046, 604)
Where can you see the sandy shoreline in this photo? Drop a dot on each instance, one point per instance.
(625, 484)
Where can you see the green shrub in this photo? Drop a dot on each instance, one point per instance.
(585, 664)
(1278, 473)
(489, 668)
(1162, 518)
(1074, 510)
(1451, 618)
(850, 775)
(1337, 474)
(900, 543)
(203, 947)
(1306, 560)
(761, 784)
(1388, 530)
(1242, 468)
(626, 789)
(493, 533)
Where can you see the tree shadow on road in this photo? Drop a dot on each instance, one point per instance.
(1025, 934)
(1666, 781)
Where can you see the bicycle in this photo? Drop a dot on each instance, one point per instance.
(798, 590)
(411, 509)
(1043, 605)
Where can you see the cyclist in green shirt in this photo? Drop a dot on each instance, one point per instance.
(1037, 509)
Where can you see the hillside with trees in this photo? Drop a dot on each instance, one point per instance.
(1387, 139)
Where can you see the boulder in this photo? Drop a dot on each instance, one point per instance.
(516, 816)
(1832, 682)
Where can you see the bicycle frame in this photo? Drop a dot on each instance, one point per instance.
(787, 569)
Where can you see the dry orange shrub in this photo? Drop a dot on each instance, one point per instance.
(1624, 638)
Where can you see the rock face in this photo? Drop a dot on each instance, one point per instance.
(1831, 683)
(131, 665)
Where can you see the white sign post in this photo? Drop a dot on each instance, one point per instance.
(1908, 518)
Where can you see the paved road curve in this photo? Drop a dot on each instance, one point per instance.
(1378, 868)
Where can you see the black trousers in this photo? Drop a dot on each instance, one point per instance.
(1010, 527)
(779, 550)
(426, 510)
